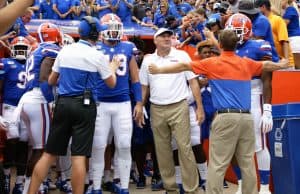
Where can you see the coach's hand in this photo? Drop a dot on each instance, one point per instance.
(200, 115)
(153, 69)
(267, 119)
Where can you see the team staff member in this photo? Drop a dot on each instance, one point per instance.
(170, 112)
(232, 129)
(78, 67)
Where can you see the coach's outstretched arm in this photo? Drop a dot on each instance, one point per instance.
(174, 68)
(272, 66)
(11, 12)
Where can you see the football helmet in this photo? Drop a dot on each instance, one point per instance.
(49, 32)
(241, 25)
(113, 27)
(67, 39)
(20, 48)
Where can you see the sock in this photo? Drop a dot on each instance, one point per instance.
(19, 179)
(240, 185)
(237, 172)
(178, 175)
(124, 164)
(203, 170)
(264, 177)
(107, 176)
(26, 185)
(7, 171)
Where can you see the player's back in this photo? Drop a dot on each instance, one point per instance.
(34, 62)
(13, 75)
(257, 50)
(120, 93)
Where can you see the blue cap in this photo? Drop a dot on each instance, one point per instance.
(84, 28)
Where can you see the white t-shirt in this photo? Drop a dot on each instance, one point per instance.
(166, 88)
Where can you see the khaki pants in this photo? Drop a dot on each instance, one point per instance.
(173, 120)
(231, 134)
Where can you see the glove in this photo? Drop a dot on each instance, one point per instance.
(3, 124)
(266, 121)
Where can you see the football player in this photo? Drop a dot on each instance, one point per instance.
(33, 107)
(114, 111)
(261, 107)
(12, 87)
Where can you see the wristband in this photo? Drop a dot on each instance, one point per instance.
(136, 89)
(267, 107)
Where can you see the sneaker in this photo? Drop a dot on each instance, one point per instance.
(107, 186)
(6, 184)
(58, 182)
(66, 187)
(89, 189)
(264, 192)
(202, 184)
(225, 185)
(116, 186)
(97, 191)
(133, 176)
(18, 189)
(124, 191)
(148, 168)
(50, 184)
(141, 183)
(181, 190)
(156, 184)
(45, 187)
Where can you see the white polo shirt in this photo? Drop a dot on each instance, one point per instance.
(166, 88)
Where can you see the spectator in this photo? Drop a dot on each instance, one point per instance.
(291, 18)
(103, 7)
(63, 9)
(160, 16)
(279, 30)
(84, 8)
(35, 9)
(78, 67)
(46, 11)
(123, 9)
(233, 108)
(139, 11)
(170, 113)
(148, 19)
(182, 7)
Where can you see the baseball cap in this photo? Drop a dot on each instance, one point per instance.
(84, 27)
(248, 7)
(161, 31)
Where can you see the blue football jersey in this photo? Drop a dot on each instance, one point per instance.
(120, 93)
(12, 73)
(255, 49)
(33, 65)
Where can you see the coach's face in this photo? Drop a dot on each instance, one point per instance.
(163, 41)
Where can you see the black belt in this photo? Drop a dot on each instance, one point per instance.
(231, 110)
(76, 96)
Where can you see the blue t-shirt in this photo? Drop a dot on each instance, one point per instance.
(293, 28)
(36, 13)
(147, 20)
(261, 27)
(102, 12)
(63, 6)
(124, 12)
(46, 9)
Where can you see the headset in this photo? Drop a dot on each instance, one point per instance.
(93, 34)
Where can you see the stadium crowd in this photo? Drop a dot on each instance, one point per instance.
(130, 118)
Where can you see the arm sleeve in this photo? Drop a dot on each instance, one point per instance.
(103, 69)
(255, 67)
(199, 67)
(282, 30)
